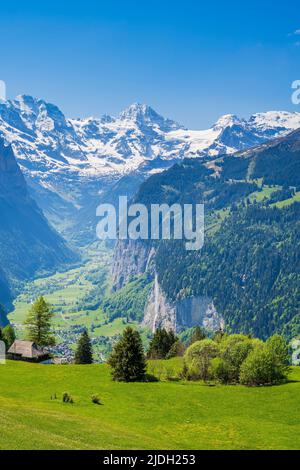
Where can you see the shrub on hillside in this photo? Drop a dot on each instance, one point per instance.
(238, 359)
(234, 350)
(198, 359)
(220, 370)
(259, 369)
(67, 398)
(177, 350)
(96, 400)
(279, 348)
(267, 365)
(219, 336)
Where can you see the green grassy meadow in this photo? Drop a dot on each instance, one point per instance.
(163, 415)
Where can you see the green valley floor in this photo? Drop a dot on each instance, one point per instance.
(163, 415)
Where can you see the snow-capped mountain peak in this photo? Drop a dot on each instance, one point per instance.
(276, 120)
(228, 120)
(26, 104)
(60, 154)
(136, 111)
(143, 114)
(37, 113)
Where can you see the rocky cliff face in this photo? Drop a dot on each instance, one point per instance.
(163, 313)
(12, 182)
(133, 258)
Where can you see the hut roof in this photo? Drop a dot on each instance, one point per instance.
(26, 349)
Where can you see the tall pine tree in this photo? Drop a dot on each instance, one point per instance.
(38, 323)
(84, 353)
(127, 359)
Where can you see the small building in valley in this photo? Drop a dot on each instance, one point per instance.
(27, 351)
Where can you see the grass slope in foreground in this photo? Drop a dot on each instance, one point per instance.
(164, 415)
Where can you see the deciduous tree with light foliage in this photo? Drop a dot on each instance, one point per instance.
(9, 336)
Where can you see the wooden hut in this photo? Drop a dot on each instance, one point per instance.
(27, 351)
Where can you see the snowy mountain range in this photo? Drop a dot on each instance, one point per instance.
(68, 162)
(45, 140)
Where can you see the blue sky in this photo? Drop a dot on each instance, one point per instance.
(190, 60)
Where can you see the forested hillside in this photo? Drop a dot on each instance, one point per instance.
(250, 267)
(250, 262)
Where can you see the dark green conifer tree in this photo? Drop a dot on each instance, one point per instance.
(127, 359)
(161, 344)
(84, 352)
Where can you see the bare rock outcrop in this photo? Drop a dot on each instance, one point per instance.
(176, 315)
